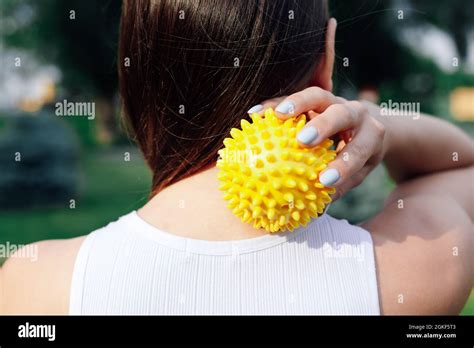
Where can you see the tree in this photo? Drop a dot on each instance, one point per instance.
(78, 36)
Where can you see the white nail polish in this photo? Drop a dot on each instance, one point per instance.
(329, 177)
(287, 107)
(307, 135)
(255, 108)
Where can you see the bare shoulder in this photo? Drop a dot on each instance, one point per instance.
(37, 278)
(424, 247)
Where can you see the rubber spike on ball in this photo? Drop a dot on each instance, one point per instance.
(268, 179)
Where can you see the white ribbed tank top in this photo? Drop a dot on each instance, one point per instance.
(131, 267)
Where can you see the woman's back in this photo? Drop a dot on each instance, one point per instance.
(131, 267)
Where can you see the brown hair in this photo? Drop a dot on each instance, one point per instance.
(189, 70)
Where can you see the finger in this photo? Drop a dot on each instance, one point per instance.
(337, 118)
(255, 109)
(311, 114)
(272, 103)
(311, 98)
(269, 103)
(352, 158)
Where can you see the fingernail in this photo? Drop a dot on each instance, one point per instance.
(329, 177)
(255, 108)
(307, 135)
(287, 107)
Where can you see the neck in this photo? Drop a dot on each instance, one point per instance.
(194, 208)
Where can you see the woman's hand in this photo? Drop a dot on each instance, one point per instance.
(362, 146)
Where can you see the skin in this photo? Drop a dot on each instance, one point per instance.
(424, 250)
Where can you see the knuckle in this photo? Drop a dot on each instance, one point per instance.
(357, 108)
(337, 108)
(362, 108)
(273, 101)
(317, 93)
(340, 110)
(298, 99)
(379, 129)
(314, 90)
(339, 116)
(323, 125)
(350, 112)
(357, 105)
(359, 152)
(346, 168)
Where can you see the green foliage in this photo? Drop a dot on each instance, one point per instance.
(454, 16)
(38, 157)
(85, 130)
(365, 200)
(469, 307)
(84, 47)
(368, 35)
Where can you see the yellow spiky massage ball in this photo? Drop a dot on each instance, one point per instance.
(268, 179)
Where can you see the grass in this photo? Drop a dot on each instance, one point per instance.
(111, 187)
(469, 307)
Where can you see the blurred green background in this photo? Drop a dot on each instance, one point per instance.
(78, 174)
